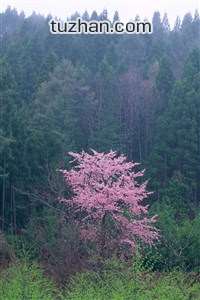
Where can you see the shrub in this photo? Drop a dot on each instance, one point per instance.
(56, 244)
(180, 241)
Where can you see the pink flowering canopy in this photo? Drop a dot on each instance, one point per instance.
(106, 184)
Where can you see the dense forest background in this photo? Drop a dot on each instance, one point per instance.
(135, 94)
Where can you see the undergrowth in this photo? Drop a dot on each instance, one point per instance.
(26, 281)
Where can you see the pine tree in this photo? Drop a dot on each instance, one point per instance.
(94, 16)
(156, 21)
(86, 16)
(177, 147)
(177, 25)
(165, 23)
(164, 83)
(62, 113)
(116, 17)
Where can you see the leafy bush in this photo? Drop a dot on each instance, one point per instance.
(56, 243)
(180, 241)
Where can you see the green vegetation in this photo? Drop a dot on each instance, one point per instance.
(26, 281)
(174, 286)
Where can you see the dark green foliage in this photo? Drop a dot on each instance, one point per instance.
(176, 149)
(180, 238)
(164, 80)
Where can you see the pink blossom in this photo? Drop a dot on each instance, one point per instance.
(105, 184)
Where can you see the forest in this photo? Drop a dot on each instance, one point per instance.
(123, 106)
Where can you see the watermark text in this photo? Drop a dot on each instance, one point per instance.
(80, 26)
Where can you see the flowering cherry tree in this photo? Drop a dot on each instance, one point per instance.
(109, 200)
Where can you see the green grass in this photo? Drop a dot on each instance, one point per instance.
(173, 286)
(26, 281)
